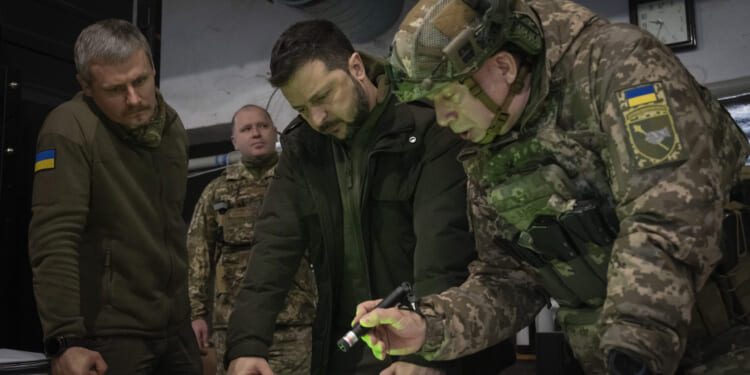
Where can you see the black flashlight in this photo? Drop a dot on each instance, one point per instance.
(397, 296)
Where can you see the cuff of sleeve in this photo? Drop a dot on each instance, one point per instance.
(194, 317)
(660, 351)
(419, 361)
(74, 328)
(248, 348)
(434, 331)
(198, 312)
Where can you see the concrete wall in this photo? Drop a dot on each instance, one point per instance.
(722, 30)
(215, 53)
(215, 57)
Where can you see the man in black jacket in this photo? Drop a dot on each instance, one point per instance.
(372, 189)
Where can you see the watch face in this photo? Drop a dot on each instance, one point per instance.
(52, 346)
(667, 20)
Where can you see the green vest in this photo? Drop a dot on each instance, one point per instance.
(555, 223)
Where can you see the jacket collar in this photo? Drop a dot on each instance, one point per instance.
(395, 119)
(238, 171)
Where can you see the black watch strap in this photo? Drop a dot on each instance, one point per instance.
(54, 346)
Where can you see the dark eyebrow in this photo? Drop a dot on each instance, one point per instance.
(141, 77)
(113, 87)
(316, 96)
(325, 90)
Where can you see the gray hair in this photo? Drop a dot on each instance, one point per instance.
(109, 41)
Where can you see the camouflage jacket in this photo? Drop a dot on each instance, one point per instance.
(618, 113)
(221, 235)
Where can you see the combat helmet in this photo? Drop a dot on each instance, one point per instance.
(443, 41)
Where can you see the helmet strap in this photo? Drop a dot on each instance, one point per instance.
(501, 111)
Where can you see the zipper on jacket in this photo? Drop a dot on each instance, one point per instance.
(348, 171)
(165, 231)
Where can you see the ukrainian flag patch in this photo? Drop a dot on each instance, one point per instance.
(653, 138)
(640, 95)
(45, 160)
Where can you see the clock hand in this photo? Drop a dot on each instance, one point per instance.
(659, 22)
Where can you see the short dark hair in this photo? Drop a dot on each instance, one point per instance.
(307, 41)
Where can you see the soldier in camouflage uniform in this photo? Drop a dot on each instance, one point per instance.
(601, 177)
(221, 236)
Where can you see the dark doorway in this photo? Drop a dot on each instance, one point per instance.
(37, 73)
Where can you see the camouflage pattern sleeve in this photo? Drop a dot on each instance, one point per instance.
(498, 299)
(672, 155)
(201, 244)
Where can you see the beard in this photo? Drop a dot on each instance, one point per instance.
(363, 106)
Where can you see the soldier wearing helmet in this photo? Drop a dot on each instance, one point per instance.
(601, 176)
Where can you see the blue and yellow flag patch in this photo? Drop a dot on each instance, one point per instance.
(653, 138)
(640, 95)
(45, 160)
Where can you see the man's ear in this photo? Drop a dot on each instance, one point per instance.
(357, 67)
(85, 87)
(506, 65)
(234, 143)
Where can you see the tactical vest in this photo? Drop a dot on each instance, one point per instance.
(557, 219)
(558, 225)
(235, 236)
(235, 239)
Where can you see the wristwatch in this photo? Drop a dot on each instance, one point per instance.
(54, 346)
(620, 363)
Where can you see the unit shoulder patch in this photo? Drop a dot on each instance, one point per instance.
(652, 136)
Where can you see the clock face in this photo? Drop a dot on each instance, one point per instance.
(665, 19)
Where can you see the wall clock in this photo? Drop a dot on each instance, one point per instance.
(670, 21)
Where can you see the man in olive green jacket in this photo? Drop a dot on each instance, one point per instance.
(107, 240)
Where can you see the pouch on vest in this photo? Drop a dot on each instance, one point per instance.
(733, 273)
(220, 208)
(521, 198)
(547, 236)
(230, 271)
(725, 299)
(549, 279)
(239, 226)
(592, 230)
